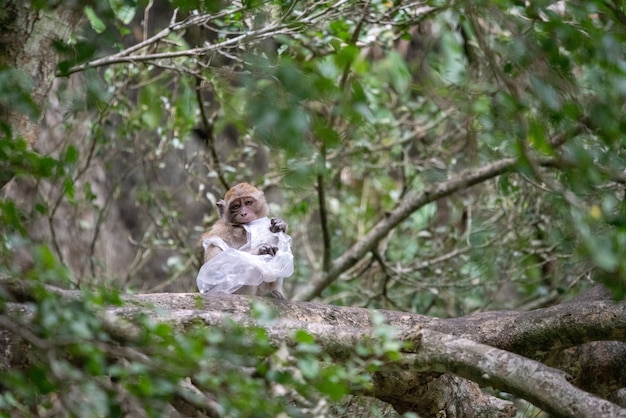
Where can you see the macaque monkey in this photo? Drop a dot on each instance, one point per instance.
(243, 204)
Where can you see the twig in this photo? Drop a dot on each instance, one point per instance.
(321, 201)
(146, 15)
(208, 126)
(128, 55)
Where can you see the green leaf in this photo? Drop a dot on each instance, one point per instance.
(537, 138)
(300, 174)
(44, 257)
(162, 330)
(308, 367)
(304, 337)
(15, 88)
(346, 56)
(341, 29)
(124, 10)
(546, 93)
(71, 155)
(152, 109)
(38, 376)
(252, 4)
(332, 383)
(10, 216)
(327, 134)
(95, 22)
(68, 187)
(187, 5)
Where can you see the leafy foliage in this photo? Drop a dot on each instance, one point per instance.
(341, 111)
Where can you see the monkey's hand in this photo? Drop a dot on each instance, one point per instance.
(278, 225)
(267, 249)
(276, 294)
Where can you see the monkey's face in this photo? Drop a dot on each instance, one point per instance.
(243, 203)
(243, 210)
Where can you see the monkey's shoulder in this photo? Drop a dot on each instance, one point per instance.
(233, 234)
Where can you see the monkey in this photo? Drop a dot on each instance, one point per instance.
(242, 205)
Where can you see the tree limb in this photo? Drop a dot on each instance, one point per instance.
(471, 347)
(543, 386)
(406, 207)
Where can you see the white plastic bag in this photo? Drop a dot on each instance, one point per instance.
(234, 268)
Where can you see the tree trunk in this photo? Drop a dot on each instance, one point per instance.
(27, 36)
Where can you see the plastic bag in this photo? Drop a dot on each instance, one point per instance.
(234, 268)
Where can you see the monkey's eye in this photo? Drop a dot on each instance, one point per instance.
(235, 206)
(249, 202)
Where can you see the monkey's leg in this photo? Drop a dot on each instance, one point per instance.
(247, 290)
(273, 290)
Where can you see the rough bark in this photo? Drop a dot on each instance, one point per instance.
(26, 44)
(450, 358)
(545, 387)
(27, 37)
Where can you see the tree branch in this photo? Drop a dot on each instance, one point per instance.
(307, 18)
(128, 56)
(455, 346)
(321, 184)
(209, 134)
(543, 386)
(409, 205)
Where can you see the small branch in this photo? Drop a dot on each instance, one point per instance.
(191, 395)
(321, 201)
(321, 192)
(353, 41)
(208, 126)
(128, 55)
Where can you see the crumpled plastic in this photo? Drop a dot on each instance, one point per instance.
(234, 268)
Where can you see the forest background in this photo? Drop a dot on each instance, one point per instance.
(456, 160)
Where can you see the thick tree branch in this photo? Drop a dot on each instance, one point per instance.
(543, 386)
(443, 346)
(33, 56)
(336, 330)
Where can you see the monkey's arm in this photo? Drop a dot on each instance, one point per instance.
(211, 252)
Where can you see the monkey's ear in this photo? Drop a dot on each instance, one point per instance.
(220, 207)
